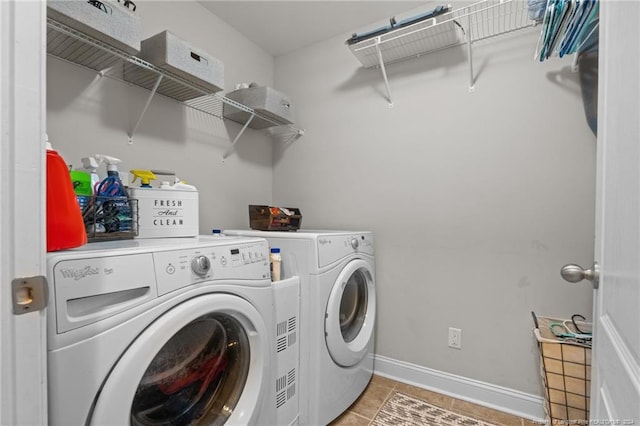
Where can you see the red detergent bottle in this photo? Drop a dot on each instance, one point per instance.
(65, 227)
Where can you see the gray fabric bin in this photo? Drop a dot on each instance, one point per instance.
(263, 100)
(167, 51)
(108, 21)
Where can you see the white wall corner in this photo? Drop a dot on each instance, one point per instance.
(497, 397)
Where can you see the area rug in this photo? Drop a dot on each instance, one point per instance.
(401, 409)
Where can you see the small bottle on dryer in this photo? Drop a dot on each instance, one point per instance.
(276, 263)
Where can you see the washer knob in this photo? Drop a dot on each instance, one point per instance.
(201, 265)
(354, 243)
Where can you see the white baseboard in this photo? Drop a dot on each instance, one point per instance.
(497, 397)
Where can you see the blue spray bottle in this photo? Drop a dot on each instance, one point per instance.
(111, 192)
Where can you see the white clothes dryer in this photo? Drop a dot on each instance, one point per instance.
(337, 315)
(159, 332)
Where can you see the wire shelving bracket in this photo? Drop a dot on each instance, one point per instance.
(146, 106)
(482, 20)
(233, 144)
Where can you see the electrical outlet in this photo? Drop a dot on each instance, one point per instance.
(455, 338)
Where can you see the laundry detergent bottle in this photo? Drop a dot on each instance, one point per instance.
(65, 227)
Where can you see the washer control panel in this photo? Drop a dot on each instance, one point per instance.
(201, 265)
(354, 243)
(332, 248)
(181, 268)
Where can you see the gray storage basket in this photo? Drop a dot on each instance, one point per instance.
(167, 51)
(106, 21)
(265, 101)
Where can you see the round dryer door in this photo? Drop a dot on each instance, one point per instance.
(203, 362)
(350, 315)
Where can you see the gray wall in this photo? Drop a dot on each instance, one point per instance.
(87, 114)
(476, 199)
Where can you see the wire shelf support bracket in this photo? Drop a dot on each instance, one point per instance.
(470, 56)
(384, 72)
(144, 110)
(233, 144)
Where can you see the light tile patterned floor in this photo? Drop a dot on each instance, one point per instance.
(362, 412)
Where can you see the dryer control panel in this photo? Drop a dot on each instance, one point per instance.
(332, 248)
(181, 268)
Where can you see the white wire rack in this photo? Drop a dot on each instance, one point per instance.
(73, 46)
(476, 22)
(407, 42)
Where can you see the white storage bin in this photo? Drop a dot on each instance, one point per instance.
(167, 51)
(265, 101)
(107, 21)
(166, 212)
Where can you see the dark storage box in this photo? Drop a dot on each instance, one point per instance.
(267, 218)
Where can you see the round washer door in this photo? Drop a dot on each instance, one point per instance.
(350, 315)
(205, 361)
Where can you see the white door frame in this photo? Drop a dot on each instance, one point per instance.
(615, 390)
(23, 397)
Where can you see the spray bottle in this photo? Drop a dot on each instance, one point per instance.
(90, 165)
(146, 176)
(111, 186)
(111, 189)
(112, 164)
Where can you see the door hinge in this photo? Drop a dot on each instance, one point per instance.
(30, 294)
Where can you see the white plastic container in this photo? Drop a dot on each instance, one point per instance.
(276, 264)
(170, 211)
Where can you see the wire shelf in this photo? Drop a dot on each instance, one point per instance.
(74, 46)
(479, 21)
(492, 18)
(414, 40)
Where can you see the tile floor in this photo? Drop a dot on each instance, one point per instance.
(361, 412)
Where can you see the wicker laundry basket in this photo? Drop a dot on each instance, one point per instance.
(566, 374)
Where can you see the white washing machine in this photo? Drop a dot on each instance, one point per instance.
(337, 315)
(164, 331)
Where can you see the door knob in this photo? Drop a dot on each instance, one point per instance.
(576, 273)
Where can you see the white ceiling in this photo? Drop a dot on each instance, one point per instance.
(281, 27)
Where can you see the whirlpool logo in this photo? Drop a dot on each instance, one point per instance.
(324, 241)
(78, 274)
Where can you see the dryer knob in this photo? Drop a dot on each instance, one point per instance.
(355, 243)
(201, 265)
